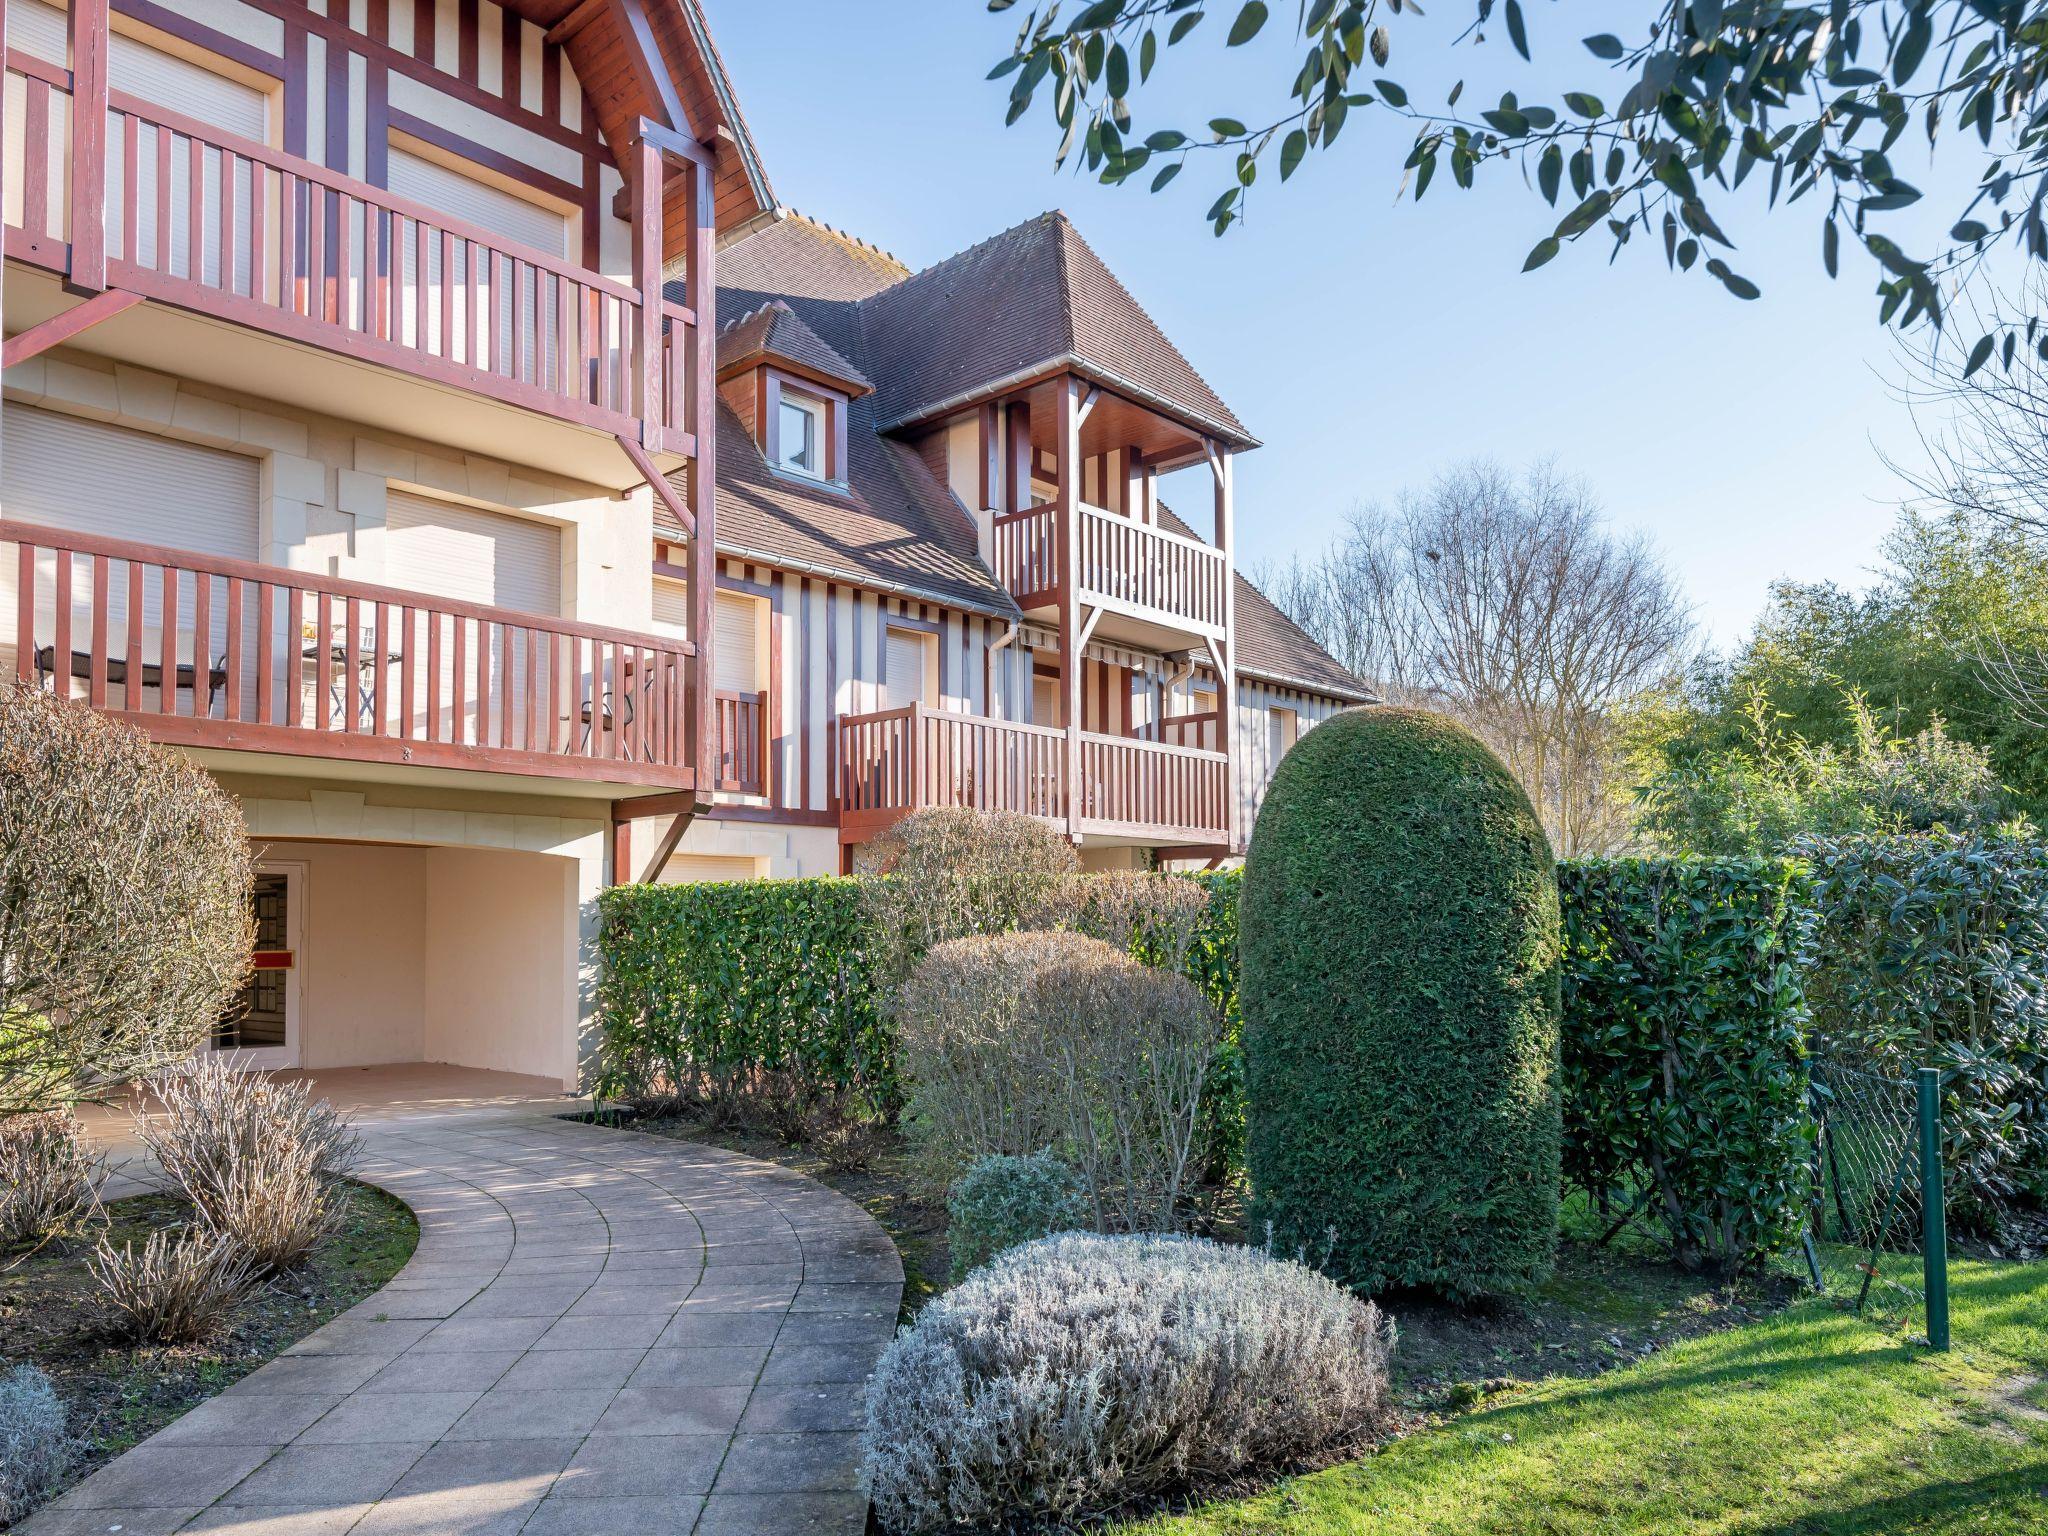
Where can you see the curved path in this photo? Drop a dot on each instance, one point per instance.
(601, 1332)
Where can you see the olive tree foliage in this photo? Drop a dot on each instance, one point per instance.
(1506, 603)
(124, 903)
(1800, 103)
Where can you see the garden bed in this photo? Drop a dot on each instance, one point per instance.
(116, 1393)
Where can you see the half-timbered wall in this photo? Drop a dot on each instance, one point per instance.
(459, 78)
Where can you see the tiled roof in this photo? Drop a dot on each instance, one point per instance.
(1031, 299)
(774, 330)
(1271, 646)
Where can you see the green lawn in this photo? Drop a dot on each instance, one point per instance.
(1811, 1422)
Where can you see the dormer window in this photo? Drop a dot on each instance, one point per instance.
(800, 435)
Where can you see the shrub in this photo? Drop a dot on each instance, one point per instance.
(1127, 1049)
(1400, 1002)
(48, 1180)
(753, 996)
(1079, 1373)
(125, 875)
(1684, 1061)
(1159, 919)
(1002, 1201)
(260, 1160)
(946, 873)
(35, 1450)
(973, 1076)
(179, 1289)
(1933, 951)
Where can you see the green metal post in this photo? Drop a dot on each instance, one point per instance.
(1935, 1241)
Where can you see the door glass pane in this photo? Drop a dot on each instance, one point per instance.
(257, 1019)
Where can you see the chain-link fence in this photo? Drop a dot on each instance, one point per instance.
(1876, 1240)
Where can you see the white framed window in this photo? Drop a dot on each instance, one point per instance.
(911, 662)
(1283, 728)
(800, 435)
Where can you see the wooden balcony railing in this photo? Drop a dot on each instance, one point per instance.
(198, 217)
(742, 742)
(1150, 788)
(208, 652)
(1138, 568)
(902, 760)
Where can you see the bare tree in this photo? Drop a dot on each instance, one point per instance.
(1506, 602)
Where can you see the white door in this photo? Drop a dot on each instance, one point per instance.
(261, 1029)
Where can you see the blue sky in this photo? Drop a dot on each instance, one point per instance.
(1369, 343)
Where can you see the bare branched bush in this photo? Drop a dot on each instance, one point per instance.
(178, 1289)
(1127, 1048)
(49, 1180)
(952, 874)
(973, 1073)
(1078, 1373)
(1158, 918)
(124, 903)
(35, 1447)
(260, 1160)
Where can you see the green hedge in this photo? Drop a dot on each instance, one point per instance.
(1400, 949)
(725, 989)
(1684, 1067)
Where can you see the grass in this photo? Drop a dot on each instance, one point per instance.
(116, 1393)
(1810, 1422)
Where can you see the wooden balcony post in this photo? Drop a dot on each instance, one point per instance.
(703, 298)
(88, 146)
(1222, 464)
(1067, 502)
(647, 279)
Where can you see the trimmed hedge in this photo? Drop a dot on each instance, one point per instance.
(715, 990)
(1684, 1062)
(1400, 995)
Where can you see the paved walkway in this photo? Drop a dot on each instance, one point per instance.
(601, 1332)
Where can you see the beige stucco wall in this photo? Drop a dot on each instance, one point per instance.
(501, 970)
(783, 852)
(324, 481)
(439, 925)
(362, 960)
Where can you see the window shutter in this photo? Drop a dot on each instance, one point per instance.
(735, 662)
(474, 556)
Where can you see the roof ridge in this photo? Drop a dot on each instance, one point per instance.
(1058, 214)
(785, 211)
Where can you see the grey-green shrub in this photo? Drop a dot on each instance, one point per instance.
(1080, 1372)
(35, 1449)
(1002, 1201)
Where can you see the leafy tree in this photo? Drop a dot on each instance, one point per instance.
(1803, 102)
(1922, 644)
(1775, 787)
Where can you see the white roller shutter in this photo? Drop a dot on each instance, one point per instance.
(170, 81)
(471, 555)
(735, 657)
(477, 202)
(89, 477)
(671, 608)
(908, 667)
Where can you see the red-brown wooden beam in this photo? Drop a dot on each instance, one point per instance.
(703, 295)
(59, 329)
(88, 146)
(649, 68)
(658, 483)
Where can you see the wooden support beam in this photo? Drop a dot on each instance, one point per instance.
(1222, 463)
(658, 483)
(647, 278)
(658, 859)
(88, 272)
(59, 329)
(1087, 629)
(650, 69)
(1067, 517)
(1087, 405)
(703, 372)
(579, 18)
(621, 849)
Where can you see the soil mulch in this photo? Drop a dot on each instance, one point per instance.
(116, 1392)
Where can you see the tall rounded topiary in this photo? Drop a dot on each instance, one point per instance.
(1400, 996)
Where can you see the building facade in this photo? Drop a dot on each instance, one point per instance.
(422, 413)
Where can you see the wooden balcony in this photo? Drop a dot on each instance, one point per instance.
(742, 725)
(1122, 566)
(901, 760)
(197, 218)
(226, 654)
